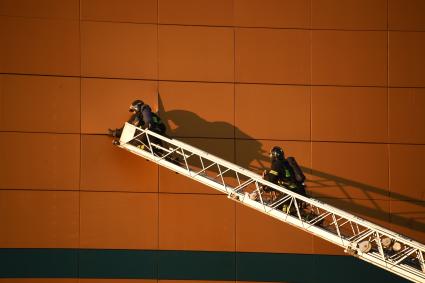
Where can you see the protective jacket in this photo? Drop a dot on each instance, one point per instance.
(147, 119)
(280, 172)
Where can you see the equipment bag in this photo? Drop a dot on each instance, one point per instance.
(299, 175)
(158, 125)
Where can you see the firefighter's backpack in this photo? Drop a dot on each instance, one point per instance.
(299, 175)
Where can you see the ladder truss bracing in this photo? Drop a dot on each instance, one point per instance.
(358, 237)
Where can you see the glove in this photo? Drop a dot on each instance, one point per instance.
(111, 132)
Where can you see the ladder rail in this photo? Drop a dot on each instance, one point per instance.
(245, 178)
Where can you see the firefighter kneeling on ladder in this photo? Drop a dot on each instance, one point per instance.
(284, 172)
(142, 117)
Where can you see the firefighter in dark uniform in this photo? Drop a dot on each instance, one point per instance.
(145, 118)
(280, 173)
(142, 117)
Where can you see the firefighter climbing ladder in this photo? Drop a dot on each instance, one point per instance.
(358, 237)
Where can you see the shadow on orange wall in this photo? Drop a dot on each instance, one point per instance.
(181, 119)
(372, 209)
(255, 158)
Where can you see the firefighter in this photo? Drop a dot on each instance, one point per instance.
(142, 117)
(283, 172)
(287, 173)
(146, 118)
(280, 171)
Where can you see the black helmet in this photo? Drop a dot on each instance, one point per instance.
(277, 153)
(136, 106)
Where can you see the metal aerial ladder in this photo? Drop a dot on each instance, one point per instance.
(358, 237)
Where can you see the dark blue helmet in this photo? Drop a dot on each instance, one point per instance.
(136, 106)
(277, 153)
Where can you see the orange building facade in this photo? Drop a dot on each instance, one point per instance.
(338, 84)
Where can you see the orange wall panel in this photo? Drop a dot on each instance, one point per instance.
(40, 104)
(272, 116)
(119, 220)
(406, 171)
(406, 15)
(349, 14)
(2, 108)
(256, 232)
(39, 46)
(105, 167)
(198, 109)
(407, 218)
(407, 115)
(119, 50)
(171, 182)
(352, 58)
(321, 246)
(65, 9)
(349, 170)
(199, 12)
(406, 59)
(39, 280)
(105, 102)
(192, 53)
(107, 280)
(136, 11)
(39, 161)
(272, 13)
(196, 222)
(272, 56)
(39, 219)
(349, 114)
(223, 148)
